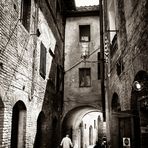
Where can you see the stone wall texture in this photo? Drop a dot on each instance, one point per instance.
(132, 49)
(132, 35)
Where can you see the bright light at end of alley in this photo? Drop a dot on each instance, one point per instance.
(86, 2)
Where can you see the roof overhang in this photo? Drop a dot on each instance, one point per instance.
(83, 11)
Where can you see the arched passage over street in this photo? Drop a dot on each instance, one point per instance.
(77, 123)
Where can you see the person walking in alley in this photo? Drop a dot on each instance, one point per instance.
(66, 142)
(97, 145)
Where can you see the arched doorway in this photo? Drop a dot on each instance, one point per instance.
(1, 120)
(40, 128)
(121, 127)
(79, 122)
(116, 108)
(115, 105)
(139, 106)
(18, 125)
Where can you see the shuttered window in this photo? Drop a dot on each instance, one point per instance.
(84, 77)
(26, 13)
(84, 31)
(43, 61)
(59, 78)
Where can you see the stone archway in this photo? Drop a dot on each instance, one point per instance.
(115, 108)
(139, 107)
(18, 125)
(74, 126)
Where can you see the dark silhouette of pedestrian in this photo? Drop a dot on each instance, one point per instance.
(97, 145)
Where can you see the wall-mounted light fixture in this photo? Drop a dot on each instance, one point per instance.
(141, 87)
(137, 86)
(85, 50)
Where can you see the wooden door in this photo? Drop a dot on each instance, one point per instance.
(125, 131)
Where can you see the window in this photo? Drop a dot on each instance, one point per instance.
(84, 77)
(58, 10)
(114, 45)
(84, 31)
(90, 135)
(119, 66)
(43, 61)
(18, 125)
(115, 103)
(59, 77)
(26, 13)
(94, 124)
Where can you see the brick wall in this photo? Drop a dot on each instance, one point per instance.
(132, 52)
(132, 30)
(20, 63)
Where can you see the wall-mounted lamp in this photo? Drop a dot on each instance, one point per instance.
(142, 88)
(85, 50)
(137, 86)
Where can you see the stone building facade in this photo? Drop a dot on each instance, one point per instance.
(82, 88)
(126, 34)
(31, 72)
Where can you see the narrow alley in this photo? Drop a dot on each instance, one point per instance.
(73, 72)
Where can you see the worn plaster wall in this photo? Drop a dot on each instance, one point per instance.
(74, 95)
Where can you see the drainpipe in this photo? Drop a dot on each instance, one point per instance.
(104, 71)
(102, 61)
(63, 72)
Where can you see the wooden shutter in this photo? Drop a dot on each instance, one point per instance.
(43, 61)
(84, 77)
(26, 13)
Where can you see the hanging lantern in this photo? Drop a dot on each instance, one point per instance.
(85, 50)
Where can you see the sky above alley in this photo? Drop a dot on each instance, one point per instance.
(86, 2)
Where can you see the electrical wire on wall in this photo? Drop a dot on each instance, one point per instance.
(19, 57)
